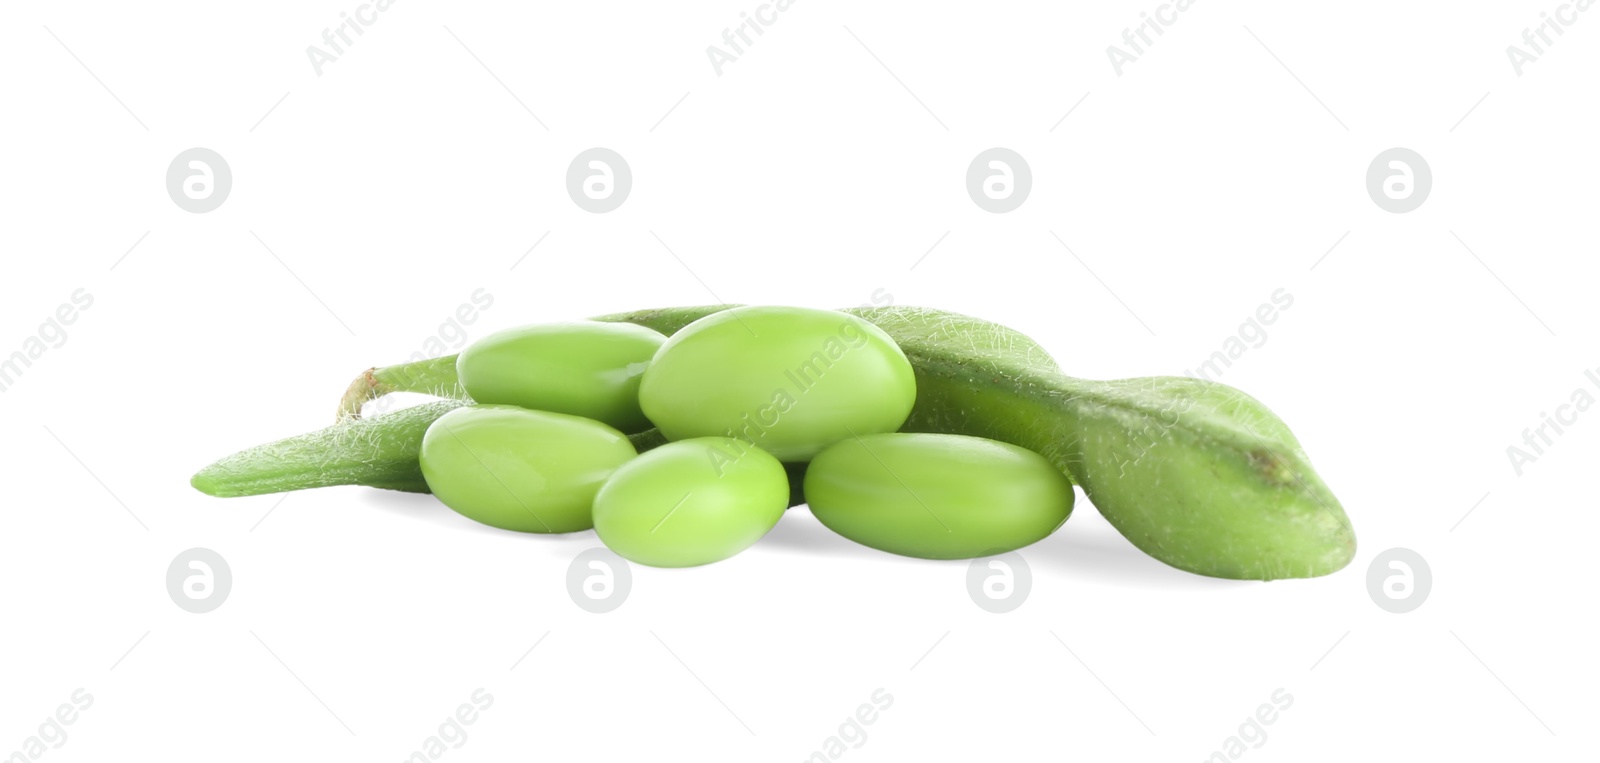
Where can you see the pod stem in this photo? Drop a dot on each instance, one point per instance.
(430, 376)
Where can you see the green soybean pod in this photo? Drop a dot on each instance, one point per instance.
(516, 469)
(583, 368)
(788, 380)
(691, 502)
(937, 496)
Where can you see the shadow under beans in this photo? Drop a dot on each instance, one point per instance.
(423, 507)
(416, 506)
(800, 533)
(1085, 548)
(1089, 548)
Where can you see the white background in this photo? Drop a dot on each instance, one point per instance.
(406, 176)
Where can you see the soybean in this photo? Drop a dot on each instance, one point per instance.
(788, 380)
(516, 469)
(937, 496)
(584, 369)
(691, 502)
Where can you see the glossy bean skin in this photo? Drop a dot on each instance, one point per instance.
(582, 368)
(937, 496)
(789, 380)
(516, 469)
(691, 502)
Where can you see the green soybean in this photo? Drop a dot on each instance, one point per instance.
(516, 469)
(584, 369)
(691, 502)
(789, 380)
(937, 496)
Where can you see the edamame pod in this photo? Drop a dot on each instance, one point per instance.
(1197, 474)
(377, 452)
(381, 451)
